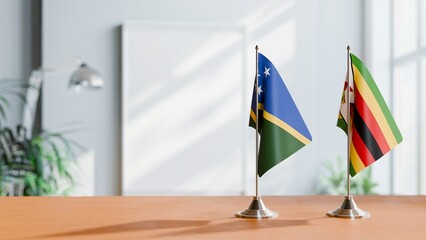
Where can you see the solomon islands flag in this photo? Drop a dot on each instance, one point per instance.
(281, 126)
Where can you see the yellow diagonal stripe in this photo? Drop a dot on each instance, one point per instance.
(355, 160)
(285, 127)
(372, 103)
(253, 114)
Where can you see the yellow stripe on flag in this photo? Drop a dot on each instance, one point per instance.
(355, 160)
(372, 103)
(285, 127)
(253, 114)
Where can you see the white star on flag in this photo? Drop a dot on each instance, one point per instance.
(259, 90)
(266, 72)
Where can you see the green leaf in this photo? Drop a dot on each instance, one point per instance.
(20, 95)
(30, 181)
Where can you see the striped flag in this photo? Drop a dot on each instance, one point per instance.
(374, 131)
(282, 129)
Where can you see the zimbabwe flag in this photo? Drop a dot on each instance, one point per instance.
(373, 131)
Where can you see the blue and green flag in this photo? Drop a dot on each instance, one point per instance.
(281, 126)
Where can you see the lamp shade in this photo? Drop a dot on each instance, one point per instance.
(86, 77)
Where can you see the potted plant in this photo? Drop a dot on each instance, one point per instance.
(35, 165)
(333, 180)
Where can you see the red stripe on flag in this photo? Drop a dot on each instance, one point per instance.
(361, 149)
(368, 117)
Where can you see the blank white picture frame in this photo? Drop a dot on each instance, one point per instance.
(183, 109)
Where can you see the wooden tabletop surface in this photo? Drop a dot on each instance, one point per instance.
(300, 217)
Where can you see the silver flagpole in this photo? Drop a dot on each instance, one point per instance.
(348, 123)
(257, 208)
(348, 209)
(257, 121)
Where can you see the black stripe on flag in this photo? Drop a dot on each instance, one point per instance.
(366, 136)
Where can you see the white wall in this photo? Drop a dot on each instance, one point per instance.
(307, 39)
(340, 23)
(15, 47)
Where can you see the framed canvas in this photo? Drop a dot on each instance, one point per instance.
(184, 109)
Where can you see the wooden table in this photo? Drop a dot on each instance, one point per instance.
(300, 217)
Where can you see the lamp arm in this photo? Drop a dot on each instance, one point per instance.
(32, 96)
(84, 76)
(33, 93)
(47, 71)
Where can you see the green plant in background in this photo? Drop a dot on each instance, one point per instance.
(33, 165)
(334, 180)
(14, 88)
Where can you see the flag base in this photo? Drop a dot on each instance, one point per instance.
(348, 209)
(257, 209)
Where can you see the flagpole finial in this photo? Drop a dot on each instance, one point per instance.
(257, 47)
(349, 48)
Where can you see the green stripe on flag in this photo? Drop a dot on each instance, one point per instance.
(352, 170)
(376, 92)
(275, 146)
(341, 123)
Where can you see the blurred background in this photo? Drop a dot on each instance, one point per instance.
(172, 117)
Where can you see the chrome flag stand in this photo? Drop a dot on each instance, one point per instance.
(348, 209)
(257, 208)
